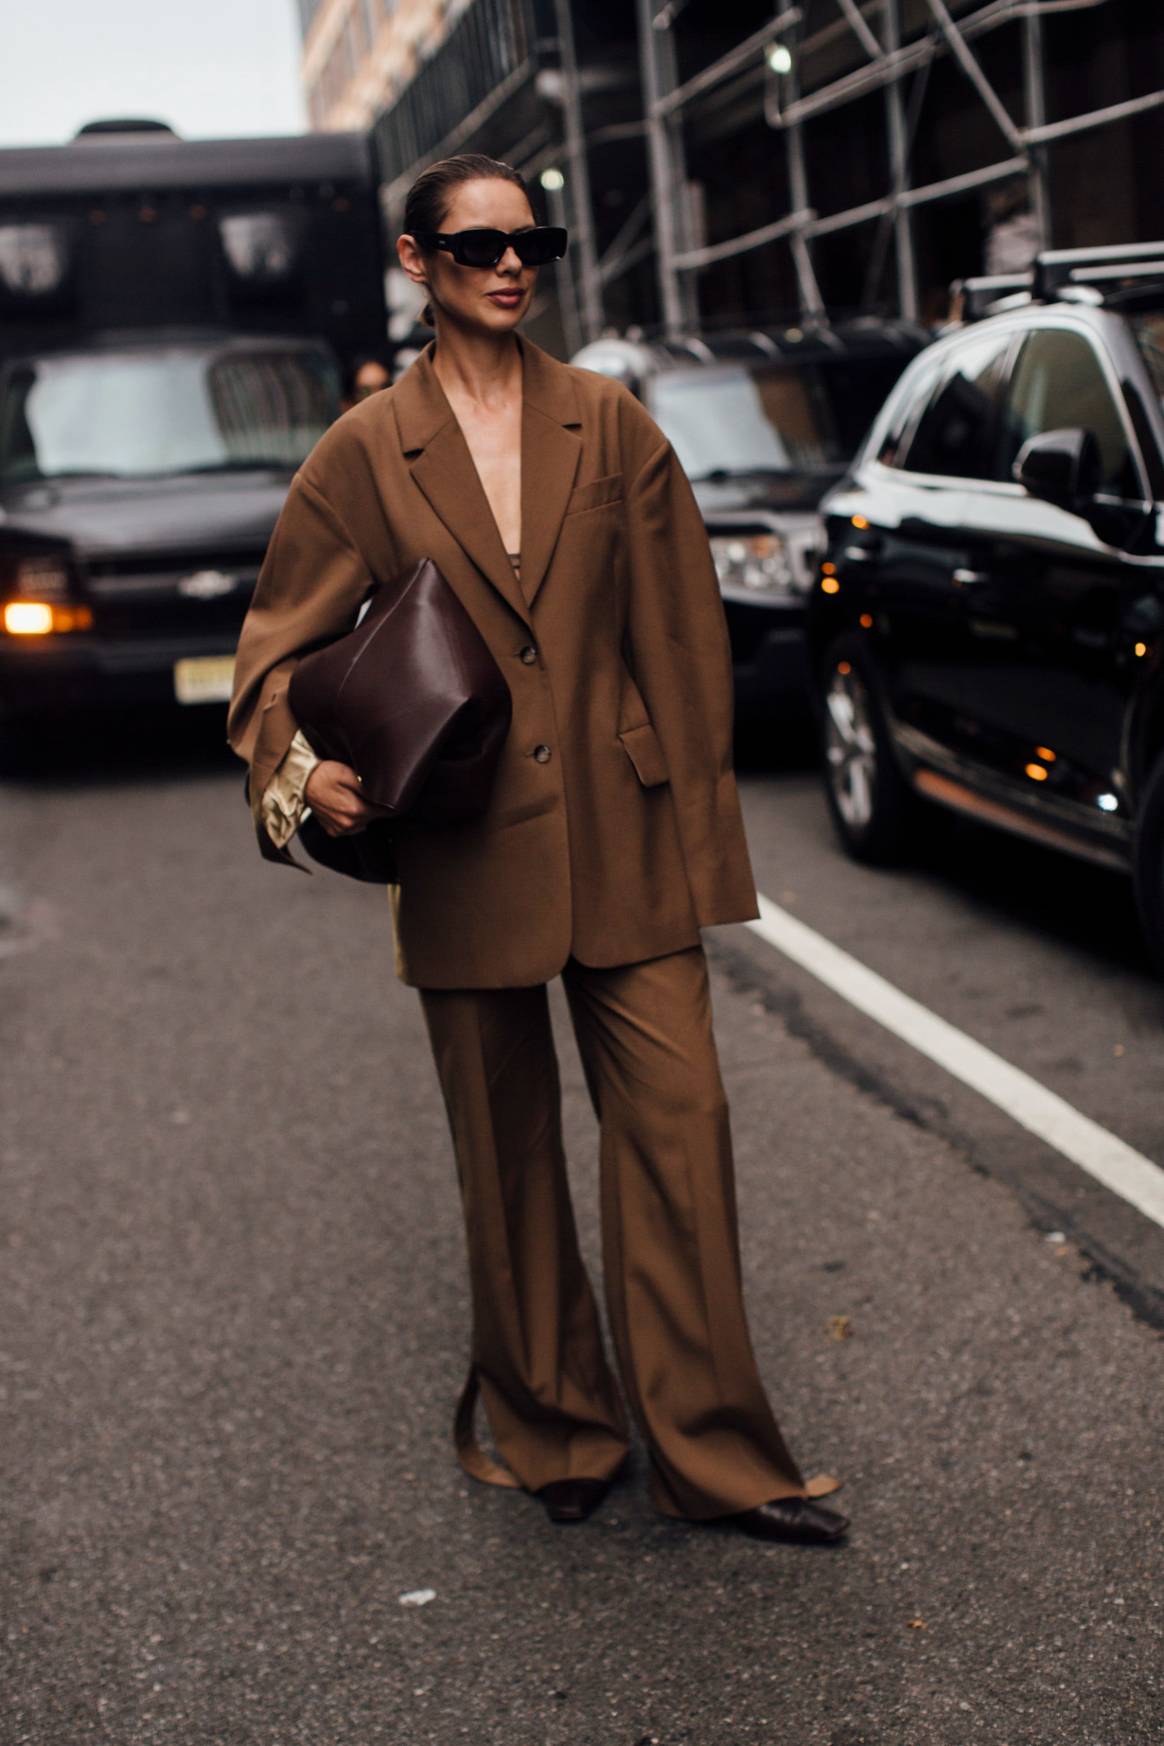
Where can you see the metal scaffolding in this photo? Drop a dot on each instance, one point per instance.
(507, 79)
(888, 63)
(488, 57)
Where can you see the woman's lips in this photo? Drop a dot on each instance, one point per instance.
(506, 298)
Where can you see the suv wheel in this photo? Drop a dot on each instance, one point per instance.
(872, 805)
(1148, 864)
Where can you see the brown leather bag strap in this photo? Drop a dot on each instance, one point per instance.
(470, 1454)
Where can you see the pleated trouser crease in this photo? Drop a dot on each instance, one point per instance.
(670, 1241)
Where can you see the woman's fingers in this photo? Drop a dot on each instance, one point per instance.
(334, 794)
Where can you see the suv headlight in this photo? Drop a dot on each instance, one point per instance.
(757, 563)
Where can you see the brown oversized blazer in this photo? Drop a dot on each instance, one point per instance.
(627, 838)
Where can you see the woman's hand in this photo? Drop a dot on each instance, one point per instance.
(334, 795)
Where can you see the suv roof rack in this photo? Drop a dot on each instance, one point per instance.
(981, 295)
(1057, 269)
(1063, 275)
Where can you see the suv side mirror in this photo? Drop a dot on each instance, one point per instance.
(1060, 466)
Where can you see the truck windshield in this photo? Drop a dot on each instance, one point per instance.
(164, 410)
(809, 417)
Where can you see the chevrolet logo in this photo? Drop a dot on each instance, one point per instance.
(207, 585)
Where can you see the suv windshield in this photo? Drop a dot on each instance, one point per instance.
(173, 409)
(1149, 331)
(771, 418)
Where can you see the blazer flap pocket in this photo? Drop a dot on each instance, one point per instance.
(646, 754)
(595, 493)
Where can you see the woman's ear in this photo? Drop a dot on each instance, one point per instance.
(410, 258)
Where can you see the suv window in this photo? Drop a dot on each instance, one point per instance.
(1059, 384)
(956, 434)
(889, 438)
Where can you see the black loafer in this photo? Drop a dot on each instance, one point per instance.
(572, 1500)
(795, 1519)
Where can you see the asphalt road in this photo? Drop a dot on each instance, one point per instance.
(233, 1315)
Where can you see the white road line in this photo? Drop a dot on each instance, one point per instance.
(1118, 1166)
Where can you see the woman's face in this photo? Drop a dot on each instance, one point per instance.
(463, 295)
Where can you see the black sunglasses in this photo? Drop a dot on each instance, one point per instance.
(484, 248)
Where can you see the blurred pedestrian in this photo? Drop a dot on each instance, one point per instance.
(365, 375)
(1012, 229)
(560, 514)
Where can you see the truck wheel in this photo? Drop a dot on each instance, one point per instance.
(1148, 864)
(872, 806)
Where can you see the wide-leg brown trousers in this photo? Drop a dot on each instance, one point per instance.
(670, 1240)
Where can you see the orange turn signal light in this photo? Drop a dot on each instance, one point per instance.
(42, 618)
(830, 585)
(1037, 772)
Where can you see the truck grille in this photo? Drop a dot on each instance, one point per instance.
(168, 594)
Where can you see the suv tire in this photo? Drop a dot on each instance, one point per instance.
(873, 807)
(1148, 864)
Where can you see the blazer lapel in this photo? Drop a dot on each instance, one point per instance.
(446, 474)
(550, 453)
(448, 478)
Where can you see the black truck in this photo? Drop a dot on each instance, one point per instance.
(175, 320)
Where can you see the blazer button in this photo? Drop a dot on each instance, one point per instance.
(542, 754)
(529, 654)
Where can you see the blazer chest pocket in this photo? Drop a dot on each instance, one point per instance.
(642, 747)
(596, 494)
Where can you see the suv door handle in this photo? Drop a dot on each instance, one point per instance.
(859, 554)
(967, 578)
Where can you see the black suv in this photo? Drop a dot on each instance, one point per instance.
(175, 316)
(140, 477)
(987, 627)
(764, 422)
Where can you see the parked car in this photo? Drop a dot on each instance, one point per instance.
(987, 628)
(764, 423)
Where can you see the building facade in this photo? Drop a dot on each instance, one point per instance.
(359, 54)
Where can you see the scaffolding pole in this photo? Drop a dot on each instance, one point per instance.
(811, 301)
(899, 145)
(668, 172)
(1036, 117)
(564, 277)
(590, 310)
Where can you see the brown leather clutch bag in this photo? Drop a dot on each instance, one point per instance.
(414, 701)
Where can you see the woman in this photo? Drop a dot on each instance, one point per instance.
(558, 511)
